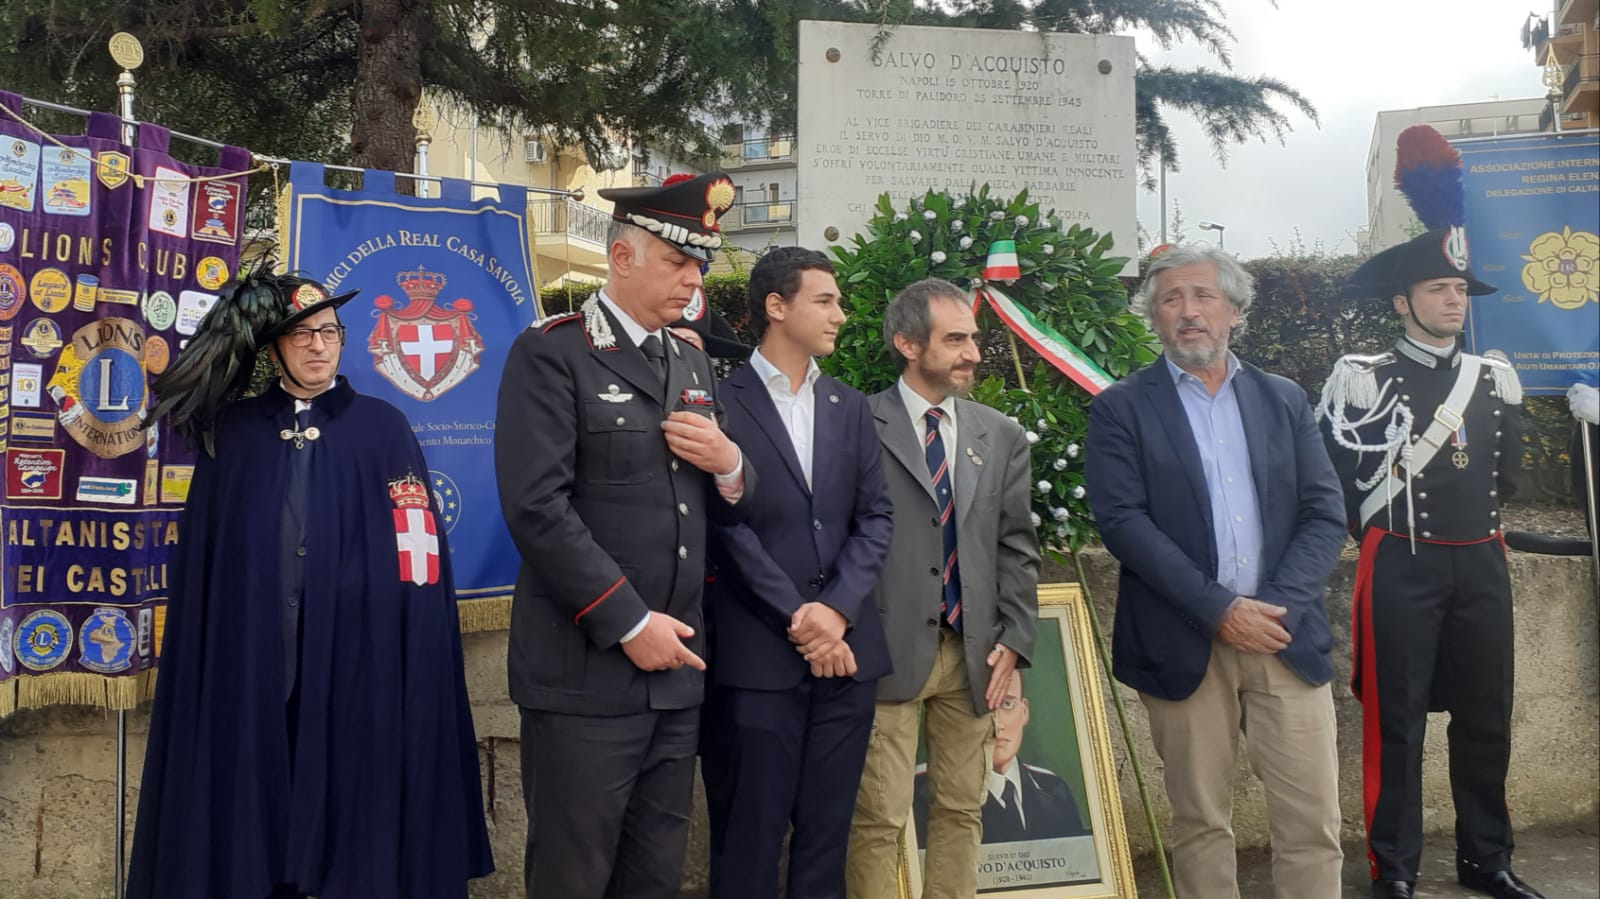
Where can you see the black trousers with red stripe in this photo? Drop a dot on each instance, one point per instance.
(1434, 633)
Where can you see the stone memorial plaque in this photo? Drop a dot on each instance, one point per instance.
(947, 108)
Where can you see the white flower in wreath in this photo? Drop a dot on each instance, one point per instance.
(1042, 425)
(1011, 418)
(959, 203)
(1042, 486)
(915, 236)
(1032, 437)
(1034, 517)
(1060, 464)
(1072, 450)
(1060, 514)
(997, 215)
(930, 215)
(1022, 221)
(938, 257)
(899, 216)
(1061, 530)
(1048, 249)
(966, 243)
(1078, 492)
(957, 226)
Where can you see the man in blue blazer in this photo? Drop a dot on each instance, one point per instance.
(1210, 484)
(796, 641)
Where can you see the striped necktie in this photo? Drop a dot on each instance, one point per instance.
(939, 468)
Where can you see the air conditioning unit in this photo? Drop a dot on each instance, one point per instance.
(534, 152)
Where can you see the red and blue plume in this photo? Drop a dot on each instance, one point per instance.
(1428, 171)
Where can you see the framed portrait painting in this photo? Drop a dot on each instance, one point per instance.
(1052, 816)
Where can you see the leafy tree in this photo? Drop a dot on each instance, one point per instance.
(1068, 282)
(295, 77)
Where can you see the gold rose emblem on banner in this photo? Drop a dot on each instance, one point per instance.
(1564, 268)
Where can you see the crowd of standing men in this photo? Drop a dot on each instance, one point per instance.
(794, 581)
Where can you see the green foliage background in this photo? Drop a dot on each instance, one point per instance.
(1069, 281)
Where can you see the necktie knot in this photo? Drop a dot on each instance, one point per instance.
(656, 353)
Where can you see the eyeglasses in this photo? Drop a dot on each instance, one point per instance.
(332, 335)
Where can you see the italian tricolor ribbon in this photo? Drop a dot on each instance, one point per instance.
(1045, 340)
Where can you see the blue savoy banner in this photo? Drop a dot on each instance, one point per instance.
(1533, 217)
(446, 285)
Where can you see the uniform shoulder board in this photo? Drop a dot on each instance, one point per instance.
(1506, 383)
(550, 321)
(1353, 382)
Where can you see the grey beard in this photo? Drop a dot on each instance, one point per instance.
(1197, 359)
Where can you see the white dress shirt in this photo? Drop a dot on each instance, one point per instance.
(918, 407)
(796, 409)
(997, 787)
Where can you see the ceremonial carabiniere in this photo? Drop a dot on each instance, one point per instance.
(1427, 443)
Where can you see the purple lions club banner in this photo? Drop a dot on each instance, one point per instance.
(110, 255)
(446, 286)
(1533, 215)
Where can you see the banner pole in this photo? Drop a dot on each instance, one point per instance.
(1586, 430)
(118, 887)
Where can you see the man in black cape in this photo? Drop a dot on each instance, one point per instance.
(311, 733)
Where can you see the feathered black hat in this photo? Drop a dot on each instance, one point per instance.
(1428, 171)
(215, 366)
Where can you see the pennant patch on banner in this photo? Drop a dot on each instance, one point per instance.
(419, 347)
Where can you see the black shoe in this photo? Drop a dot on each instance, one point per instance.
(1391, 889)
(1501, 884)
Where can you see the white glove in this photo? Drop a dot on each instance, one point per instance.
(1585, 403)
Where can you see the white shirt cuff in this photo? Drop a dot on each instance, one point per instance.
(637, 629)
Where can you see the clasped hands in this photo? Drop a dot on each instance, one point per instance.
(817, 632)
(1251, 625)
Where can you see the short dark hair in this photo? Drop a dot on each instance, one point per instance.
(779, 272)
(908, 314)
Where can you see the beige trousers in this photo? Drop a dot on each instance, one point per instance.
(1290, 741)
(958, 744)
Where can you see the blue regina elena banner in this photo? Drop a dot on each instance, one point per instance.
(446, 285)
(110, 255)
(1533, 217)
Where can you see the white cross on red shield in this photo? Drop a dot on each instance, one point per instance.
(417, 538)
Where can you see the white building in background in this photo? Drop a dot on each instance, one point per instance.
(1389, 219)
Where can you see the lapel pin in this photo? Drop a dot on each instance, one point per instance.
(695, 375)
(833, 398)
(976, 459)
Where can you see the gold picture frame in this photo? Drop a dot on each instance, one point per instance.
(1061, 853)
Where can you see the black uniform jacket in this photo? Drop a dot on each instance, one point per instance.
(609, 523)
(1458, 493)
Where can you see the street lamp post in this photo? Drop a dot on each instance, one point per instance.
(1222, 243)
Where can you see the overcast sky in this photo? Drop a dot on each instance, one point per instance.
(1350, 58)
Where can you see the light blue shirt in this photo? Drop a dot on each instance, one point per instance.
(1225, 457)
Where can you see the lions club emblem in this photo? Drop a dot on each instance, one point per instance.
(421, 346)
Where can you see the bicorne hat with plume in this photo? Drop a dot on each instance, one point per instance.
(1428, 172)
(216, 365)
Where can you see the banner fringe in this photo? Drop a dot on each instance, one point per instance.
(124, 693)
(492, 613)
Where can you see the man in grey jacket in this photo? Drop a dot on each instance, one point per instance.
(958, 594)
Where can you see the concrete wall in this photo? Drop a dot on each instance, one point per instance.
(57, 765)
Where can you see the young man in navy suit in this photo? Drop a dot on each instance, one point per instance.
(1210, 484)
(796, 642)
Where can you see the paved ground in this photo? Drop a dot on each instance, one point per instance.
(1562, 863)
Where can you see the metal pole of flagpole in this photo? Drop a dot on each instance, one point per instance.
(128, 53)
(1594, 511)
(423, 119)
(1163, 199)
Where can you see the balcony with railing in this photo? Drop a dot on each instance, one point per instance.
(762, 216)
(1581, 87)
(1577, 12)
(763, 151)
(570, 233)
